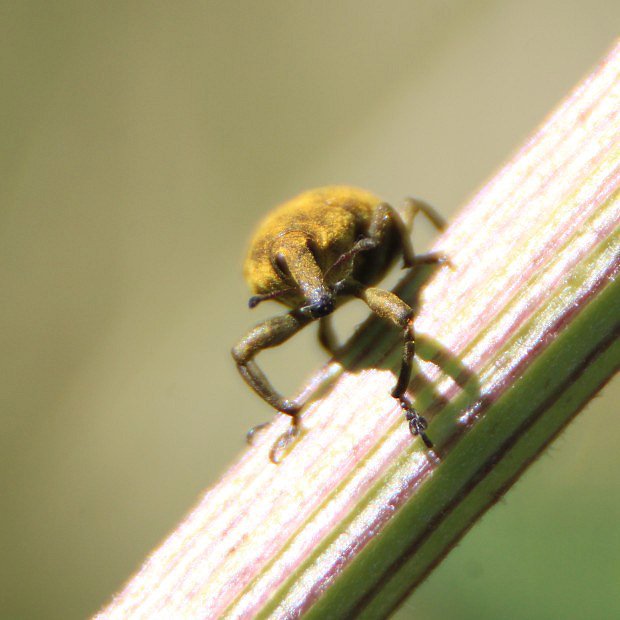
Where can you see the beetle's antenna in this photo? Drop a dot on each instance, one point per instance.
(256, 299)
(362, 245)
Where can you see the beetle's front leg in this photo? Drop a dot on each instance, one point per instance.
(270, 333)
(389, 306)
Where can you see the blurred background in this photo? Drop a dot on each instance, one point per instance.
(140, 142)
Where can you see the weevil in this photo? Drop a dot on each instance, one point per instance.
(315, 252)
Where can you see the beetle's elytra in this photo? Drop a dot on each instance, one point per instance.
(315, 252)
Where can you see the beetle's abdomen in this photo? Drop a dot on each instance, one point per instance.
(332, 218)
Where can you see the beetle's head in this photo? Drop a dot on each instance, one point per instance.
(319, 306)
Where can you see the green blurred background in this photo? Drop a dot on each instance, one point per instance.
(140, 143)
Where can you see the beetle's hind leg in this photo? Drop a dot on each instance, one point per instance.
(389, 306)
(413, 206)
(411, 209)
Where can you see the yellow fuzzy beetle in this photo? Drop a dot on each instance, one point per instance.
(315, 252)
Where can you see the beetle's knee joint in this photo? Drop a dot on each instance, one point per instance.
(290, 407)
(405, 316)
(240, 354)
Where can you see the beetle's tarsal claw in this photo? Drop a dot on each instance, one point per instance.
(444, 260)
(278, 452)
(417, 423)
(254, 430)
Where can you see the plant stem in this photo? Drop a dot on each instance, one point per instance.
(522, 330)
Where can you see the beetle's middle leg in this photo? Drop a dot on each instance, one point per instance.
(270, 333)
(389, 306)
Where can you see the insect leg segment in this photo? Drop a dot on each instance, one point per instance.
(384, 215)
(417, 423)
(431, 258)
(327, 337)
(413, 206)
(389, 306)
(270, 333)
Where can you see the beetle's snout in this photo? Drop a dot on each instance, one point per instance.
(323, 306)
